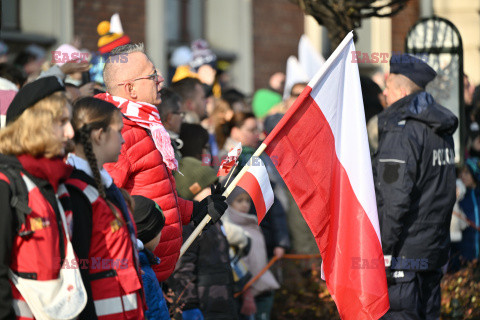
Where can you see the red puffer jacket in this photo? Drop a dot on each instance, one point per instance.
(141, 171)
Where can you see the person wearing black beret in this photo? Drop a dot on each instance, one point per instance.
(31, 93)
(32, 172)
(414, 174)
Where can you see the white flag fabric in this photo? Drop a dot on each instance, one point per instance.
(257, 184)
(294, 74)
(310, 59)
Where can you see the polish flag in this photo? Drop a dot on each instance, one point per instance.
(230, 160)
(320, 148)
(256, 183)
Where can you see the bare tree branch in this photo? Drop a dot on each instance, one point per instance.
(342, 16)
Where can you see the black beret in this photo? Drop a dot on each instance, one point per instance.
(31, 93)
(148, 217)
(413, 68)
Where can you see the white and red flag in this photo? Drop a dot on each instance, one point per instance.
(230, 160)
(257, 184)
(321, 150)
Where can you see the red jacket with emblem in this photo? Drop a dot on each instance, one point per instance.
(36, 255)
(105, 249)
(141, 171)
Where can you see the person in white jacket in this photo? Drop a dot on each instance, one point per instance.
(238, 213)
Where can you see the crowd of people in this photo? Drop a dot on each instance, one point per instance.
(107, 177)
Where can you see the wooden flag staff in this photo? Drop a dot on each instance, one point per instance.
(227, 192)
(231, 174)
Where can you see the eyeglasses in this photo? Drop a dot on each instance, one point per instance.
(180, 113)
(154, 76)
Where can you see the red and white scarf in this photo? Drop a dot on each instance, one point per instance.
(146, 115)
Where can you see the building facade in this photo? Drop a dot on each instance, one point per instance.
(257, 35)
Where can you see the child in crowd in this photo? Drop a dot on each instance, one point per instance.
(150, 220)
(32, 146)
(262, 290)
(469, 246)
(103, 230)
(203, 280)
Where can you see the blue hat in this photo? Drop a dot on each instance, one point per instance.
(413, 68)
(473, 165)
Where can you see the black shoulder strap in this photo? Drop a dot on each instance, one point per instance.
(19, 199)
(76, 191)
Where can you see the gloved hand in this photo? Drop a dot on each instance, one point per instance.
(214, 205)
(192, 314)
(217, 188)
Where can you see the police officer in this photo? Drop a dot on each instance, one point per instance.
(414, 171)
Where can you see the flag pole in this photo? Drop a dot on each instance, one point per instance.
(231, 174)
(226, 193)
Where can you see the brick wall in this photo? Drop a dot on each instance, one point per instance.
(89, 13)
(277, 27)
(402, 22)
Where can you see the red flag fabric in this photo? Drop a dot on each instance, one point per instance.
(230, 160)
(257, 184)
(320, 148)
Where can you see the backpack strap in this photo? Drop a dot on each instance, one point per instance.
(19, 199)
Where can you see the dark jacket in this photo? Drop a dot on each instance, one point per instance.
(414, 172)
(204, 276)
(274, 228)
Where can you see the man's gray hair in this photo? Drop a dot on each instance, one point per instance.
(108, 76)
(128, 48)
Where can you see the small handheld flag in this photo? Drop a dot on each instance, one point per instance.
(257, 184)
(229, 162)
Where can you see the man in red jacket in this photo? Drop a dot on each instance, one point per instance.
(147, 159)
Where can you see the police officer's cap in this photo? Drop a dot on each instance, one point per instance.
(413, 68)
(31, 93)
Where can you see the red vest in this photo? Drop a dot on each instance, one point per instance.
(116, 285)
(37, 256)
